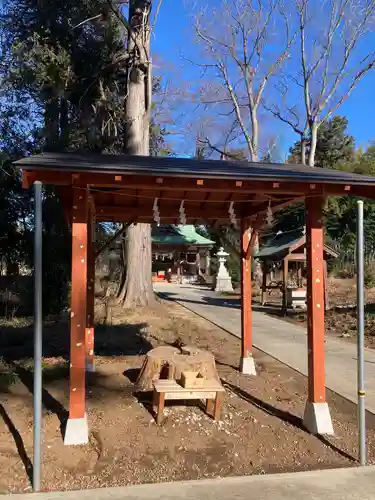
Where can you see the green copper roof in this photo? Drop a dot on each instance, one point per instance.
(171, 234)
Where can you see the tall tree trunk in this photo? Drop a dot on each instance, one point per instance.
(137, 289)
(313, 142)
(255, 135)
(51, 123)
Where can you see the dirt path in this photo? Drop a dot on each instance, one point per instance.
(260, 431)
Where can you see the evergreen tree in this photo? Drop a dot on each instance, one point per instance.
(335, 149)
(63, 86)
(334, 145)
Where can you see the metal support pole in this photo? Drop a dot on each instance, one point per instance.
(37, 334)
(360, 336)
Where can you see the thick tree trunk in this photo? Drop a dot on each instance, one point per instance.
(137, 289)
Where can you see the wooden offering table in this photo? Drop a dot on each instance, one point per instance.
(165, 390)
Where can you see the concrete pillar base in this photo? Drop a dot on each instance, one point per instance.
(247, 366)
(317, 418)
(77, 431)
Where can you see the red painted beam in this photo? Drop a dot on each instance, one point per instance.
(315, 299)
(255, 226)
(90, 305)
(79, 303)
(190, 184)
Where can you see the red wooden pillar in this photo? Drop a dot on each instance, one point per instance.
(247, 365)
(90, 310)
(317, 417)
(77, 429)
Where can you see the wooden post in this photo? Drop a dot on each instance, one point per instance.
(160, 411)
(198, 263)
(247, 361)
(217, 406)
(299, 274)
(77, 429)
(179, 279)
(264, 282)
(317, 417)
(90, 321)
(285, 283)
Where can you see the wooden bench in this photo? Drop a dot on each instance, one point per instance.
(166, 390)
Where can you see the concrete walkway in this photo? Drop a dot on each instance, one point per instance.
(338, 484)
(282, 340)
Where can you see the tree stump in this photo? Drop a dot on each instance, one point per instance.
(167, 362)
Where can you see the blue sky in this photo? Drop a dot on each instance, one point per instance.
(173, 35)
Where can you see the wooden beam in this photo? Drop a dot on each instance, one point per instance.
(264, 282)
(299, 257)
(285, 282)
(149, 182)
(79, 301)
(28, 179)
(168, 212)
(315, 300)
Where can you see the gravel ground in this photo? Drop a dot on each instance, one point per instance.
(260, 431)
(341, 319)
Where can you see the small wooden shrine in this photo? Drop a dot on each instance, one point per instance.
(179, 253)
(283, 259)
(142, 189)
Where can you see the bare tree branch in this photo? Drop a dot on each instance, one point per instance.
(355, 81)
(329, 60)
(277, 114)
(156, 15)
(144, 56)
(236, 40)
(93, 18)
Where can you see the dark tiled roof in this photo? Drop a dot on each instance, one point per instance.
(277, 247)
(189, 167)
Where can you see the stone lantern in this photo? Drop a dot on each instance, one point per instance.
(223, 280)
